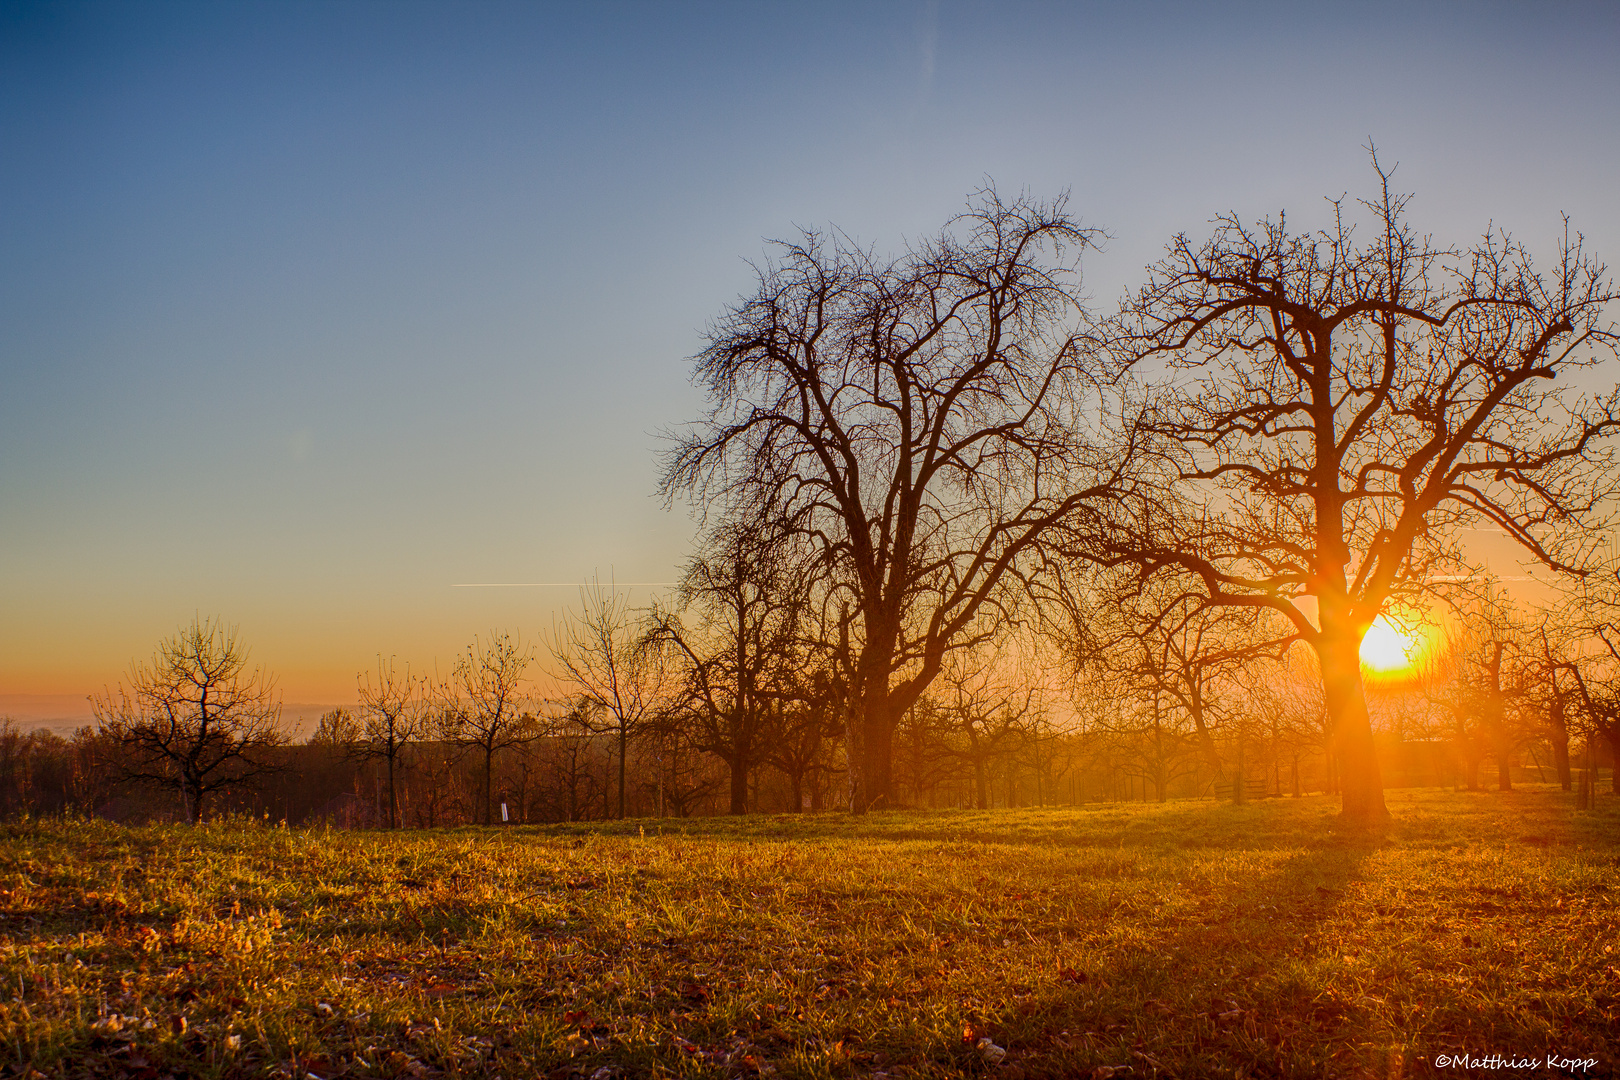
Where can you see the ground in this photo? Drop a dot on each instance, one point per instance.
(1186, 939)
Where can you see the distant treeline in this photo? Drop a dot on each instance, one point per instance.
(562, 778)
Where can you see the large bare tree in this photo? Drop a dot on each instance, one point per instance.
(195, 718)
(1337, 407)
(916, 421)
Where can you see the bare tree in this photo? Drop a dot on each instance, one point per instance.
(336, 729)
(1163, 639)
(980, 715)
(739, 657)
(803, 732)
(916, 423)
(1553, 690)
(1336, 409)
(1597, 686)
(483, 705)
(194, 718)
(572, 784)
(1481, 678)
(393, 715)
(438, 794)
(1287, 703)
(602, 651)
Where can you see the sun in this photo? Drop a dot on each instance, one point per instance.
(1386, 649)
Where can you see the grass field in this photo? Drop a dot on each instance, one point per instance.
(1183, 940)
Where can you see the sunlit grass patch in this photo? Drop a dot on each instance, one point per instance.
(1185, 939)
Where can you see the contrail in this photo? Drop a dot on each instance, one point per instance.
(552, 584)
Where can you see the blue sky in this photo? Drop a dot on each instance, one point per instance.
(310, 312)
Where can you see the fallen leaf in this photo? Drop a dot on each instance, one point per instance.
(404, 1064)
(584, 1021)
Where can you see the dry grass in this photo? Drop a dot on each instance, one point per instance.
(1181, 940)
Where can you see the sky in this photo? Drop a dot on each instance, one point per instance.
(313, 314)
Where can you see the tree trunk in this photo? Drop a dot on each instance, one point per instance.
(186, 803)
(1239, 796)
(1496, 728)
(739, 785)
(1206, 741)
(1360, 782)
(1558, 735)
(1614, 760)
(489, 785)
(393, 796)
(624, 740)
(855, 759)
(879, 746)
(981, 794)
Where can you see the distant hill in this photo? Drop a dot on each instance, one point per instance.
(66, 713)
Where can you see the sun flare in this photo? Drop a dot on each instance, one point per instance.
(1386, 649)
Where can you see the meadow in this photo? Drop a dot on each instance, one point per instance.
(1182, 940)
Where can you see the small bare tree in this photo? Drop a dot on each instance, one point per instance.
(804, 730)
(483, 705)
(393, 715)
(739, 656)
(1552, 690)
(602, 651)
(1164, 640)
(194, 718)
(980, 715)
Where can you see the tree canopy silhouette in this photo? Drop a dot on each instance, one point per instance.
(920, 422)
(194, 718)
(1336, 410)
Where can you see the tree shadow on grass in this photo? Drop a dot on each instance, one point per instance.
(1223, 981)
(1333, 960)
(1190, 823)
